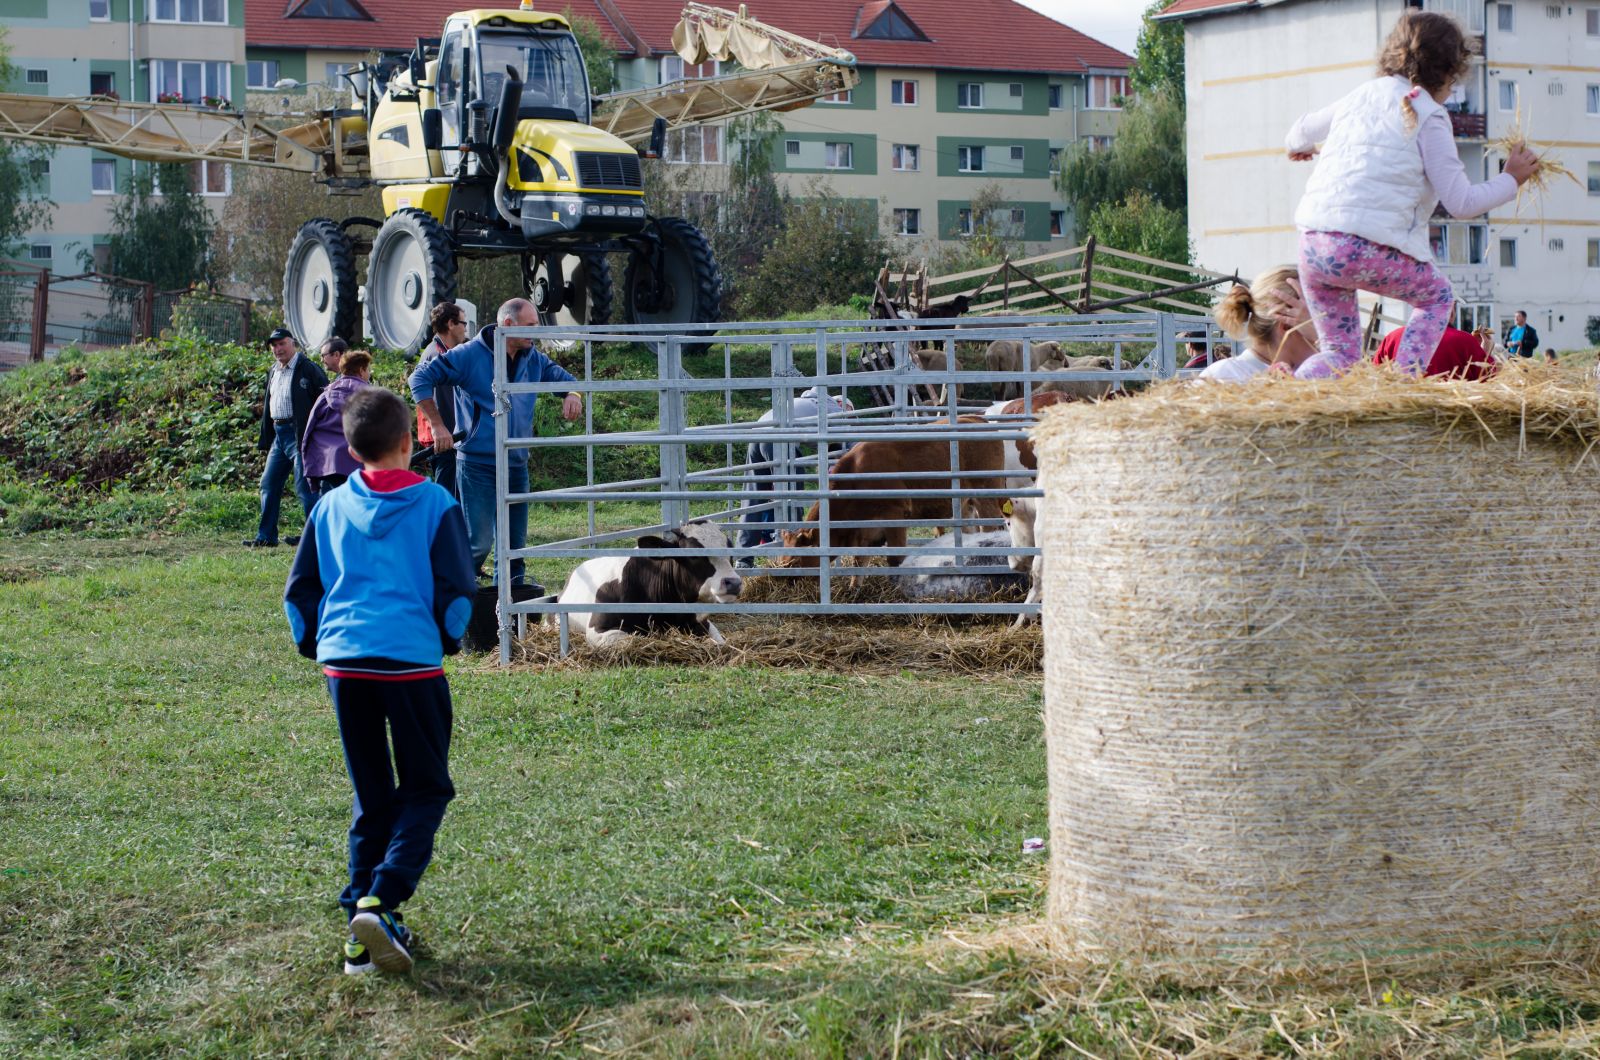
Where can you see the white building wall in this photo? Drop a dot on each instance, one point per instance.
(1252, 73)
(1553, 60)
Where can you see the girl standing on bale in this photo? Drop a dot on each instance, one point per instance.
(1388, 158)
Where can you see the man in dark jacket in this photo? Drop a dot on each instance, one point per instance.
(1523, 340)
(293, 384)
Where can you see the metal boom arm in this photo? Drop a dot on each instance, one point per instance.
(165, 132)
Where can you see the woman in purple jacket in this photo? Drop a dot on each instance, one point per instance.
(324, 453)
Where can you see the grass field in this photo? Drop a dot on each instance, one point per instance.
(712, 862)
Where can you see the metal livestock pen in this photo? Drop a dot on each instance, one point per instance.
(710, 387)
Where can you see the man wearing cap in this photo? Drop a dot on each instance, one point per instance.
(293, 384)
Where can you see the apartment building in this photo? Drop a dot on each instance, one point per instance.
(1254, 66)
(172, 50)
(954, 95)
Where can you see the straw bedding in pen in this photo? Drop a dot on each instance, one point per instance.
(1322, 662)
(883, 645)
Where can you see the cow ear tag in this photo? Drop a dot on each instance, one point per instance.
(1006, 509)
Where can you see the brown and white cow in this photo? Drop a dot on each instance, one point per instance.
(1022, 513)
(654, 580)
(1005, 355)
(904, 457)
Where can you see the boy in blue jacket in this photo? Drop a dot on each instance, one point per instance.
(380, 592)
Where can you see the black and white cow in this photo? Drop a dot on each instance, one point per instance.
(654, 580)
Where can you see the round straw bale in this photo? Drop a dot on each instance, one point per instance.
(1321, 662)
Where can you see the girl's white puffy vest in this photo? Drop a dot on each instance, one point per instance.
(1369, 179)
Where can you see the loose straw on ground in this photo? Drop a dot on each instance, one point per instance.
(1321, 661)
(882, 645)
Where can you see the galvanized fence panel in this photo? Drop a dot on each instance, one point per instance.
(703, 465)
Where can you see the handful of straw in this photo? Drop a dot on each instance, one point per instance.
(1546, 169)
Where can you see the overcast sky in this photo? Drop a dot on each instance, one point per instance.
(1115, 22)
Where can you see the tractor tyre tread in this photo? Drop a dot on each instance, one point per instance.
(342, 258)
(441, 254)
(708, 276)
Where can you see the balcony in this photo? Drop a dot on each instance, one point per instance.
(1469, 126)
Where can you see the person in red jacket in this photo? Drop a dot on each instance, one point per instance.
(1458, 355)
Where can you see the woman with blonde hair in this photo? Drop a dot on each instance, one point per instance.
(1270, 319)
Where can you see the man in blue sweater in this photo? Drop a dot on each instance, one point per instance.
(469, 368)
(380, 592)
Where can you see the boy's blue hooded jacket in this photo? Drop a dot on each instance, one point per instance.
(381, 575)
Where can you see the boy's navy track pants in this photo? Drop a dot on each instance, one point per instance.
(398, 807)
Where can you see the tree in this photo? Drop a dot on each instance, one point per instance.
(989, 242)
(1147, 154)
(830, 249)
(599, 58)
(23, 207)
(1158, 55)
(260, 219)
(161, 230)
(1141, 225)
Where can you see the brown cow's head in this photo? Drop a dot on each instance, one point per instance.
(806, 537)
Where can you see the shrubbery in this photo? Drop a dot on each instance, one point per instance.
(830, 250)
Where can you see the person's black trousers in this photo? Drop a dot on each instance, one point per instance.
(398, 807)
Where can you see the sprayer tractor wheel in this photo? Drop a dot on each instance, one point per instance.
(319, 284)
(673, 279)
(411, 269)
(581, 296)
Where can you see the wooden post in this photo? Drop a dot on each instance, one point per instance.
(1369, 341)
(1088, 276)
(41, 303)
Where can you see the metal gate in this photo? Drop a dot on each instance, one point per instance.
(701, 469)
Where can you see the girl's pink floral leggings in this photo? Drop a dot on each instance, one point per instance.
(1334, 265)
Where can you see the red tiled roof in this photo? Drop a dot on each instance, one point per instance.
(1196, 8)
(963, 34)
(395, 24)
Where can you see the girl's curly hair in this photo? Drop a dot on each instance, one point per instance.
(1427, 49)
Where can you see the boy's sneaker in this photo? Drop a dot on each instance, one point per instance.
(357, 961)
(388, 943)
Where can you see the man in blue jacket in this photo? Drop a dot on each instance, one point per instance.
(469, 368)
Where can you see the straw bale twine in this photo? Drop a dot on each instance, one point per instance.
(1321, 661)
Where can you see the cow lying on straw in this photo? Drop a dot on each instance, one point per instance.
(654, 580)
(945, 577)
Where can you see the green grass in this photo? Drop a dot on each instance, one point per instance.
(671, 862)
(176, 807)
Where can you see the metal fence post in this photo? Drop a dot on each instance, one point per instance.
(674, 457)
(502, 487)
(41, 316)
(1166, 346)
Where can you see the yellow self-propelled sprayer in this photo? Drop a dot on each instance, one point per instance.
(485, 143)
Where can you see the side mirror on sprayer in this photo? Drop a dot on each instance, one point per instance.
(506, 114)
(432, 129)
(658, 139)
